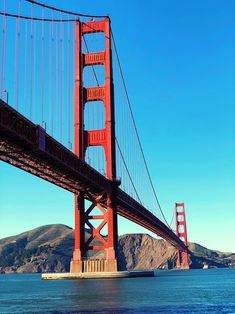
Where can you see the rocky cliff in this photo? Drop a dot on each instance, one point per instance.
(49, 249)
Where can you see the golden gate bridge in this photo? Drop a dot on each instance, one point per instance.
(66, 117)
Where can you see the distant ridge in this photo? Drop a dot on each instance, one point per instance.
(49, 249)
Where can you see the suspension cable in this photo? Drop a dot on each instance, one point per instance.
(31, 65)
(52, 75)
(17, 58)
(34, 109)
(3, 51)
(69, 43)
(61, 80)
(128, 172)
(64, 11)
(135, 128)
(43, 70)
(172, 219)
(25, 67)
(24, 17)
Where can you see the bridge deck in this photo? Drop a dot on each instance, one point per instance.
(24, 145)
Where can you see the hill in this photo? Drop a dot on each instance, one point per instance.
(49, 249)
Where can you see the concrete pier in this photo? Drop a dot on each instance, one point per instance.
(97, 275)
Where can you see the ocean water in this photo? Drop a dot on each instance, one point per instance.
(193, 291)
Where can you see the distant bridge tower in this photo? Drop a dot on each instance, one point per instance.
(181, 232)
(105, 202)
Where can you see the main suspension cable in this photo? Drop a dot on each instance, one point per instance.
(24, 17)
(64, 11)
(172, 219)
(128, 172)
(135, 128)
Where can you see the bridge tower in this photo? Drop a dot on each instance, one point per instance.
(105, 202)
(181, 232)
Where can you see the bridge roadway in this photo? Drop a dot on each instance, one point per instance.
(27, 146)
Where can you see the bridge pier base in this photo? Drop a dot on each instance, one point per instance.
(182, 260)
(98, 275)
(110, 265)
(76, 266)
(89, 266)
(108, 216)
(79, 264)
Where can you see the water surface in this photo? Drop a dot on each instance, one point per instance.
(193, 291)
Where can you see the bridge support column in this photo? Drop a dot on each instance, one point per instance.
(181, 232)
(105, 203)
(108, 214)
(111, 254)
(79, 233)
(182, 260)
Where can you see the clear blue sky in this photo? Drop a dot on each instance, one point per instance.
(178, 59)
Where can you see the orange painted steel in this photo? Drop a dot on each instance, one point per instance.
(181, 232)
(105, 202)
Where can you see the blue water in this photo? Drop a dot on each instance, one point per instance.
(193, 291)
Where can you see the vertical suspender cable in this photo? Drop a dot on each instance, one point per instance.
(3, 51)
(61, 74)
(85, 77)
(25, 66)
(93, 105)
(56, 82)
(52, 74)
(17, 59)
(34, 109)
(69, 40)
(61, 79)
(126, 167)
(31, 63)
(43, 69)
(99, 152)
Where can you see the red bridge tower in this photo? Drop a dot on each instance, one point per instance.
(106, 202)
(181, 232)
